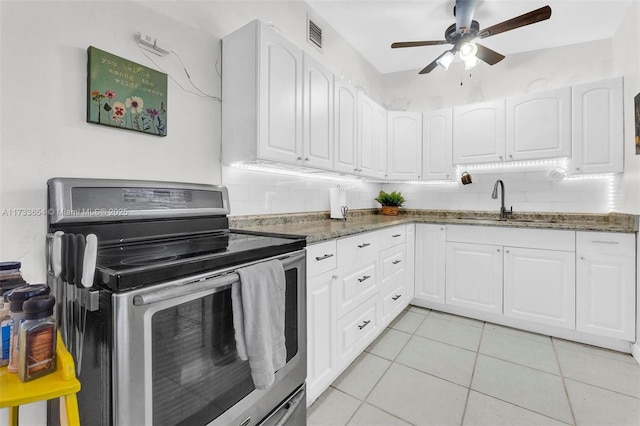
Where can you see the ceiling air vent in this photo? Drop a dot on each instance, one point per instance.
(314, 33)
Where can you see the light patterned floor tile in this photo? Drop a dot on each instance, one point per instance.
(532, 353)
(597, 407)
(451, 332)
(418, 398)
(407, 321)
(368, 415)
(483, 410)
(389, 344)
(532, 389)
(362, 375)
(333, 408)
(439, 359)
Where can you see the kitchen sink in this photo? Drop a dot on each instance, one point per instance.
(516, 220)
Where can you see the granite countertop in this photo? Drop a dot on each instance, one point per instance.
(317, 226)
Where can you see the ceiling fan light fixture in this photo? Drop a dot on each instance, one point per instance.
(446, 59)
(468, 51)
(470, 62)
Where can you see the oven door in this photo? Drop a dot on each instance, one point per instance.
(175, 359)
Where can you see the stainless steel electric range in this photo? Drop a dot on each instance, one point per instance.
(157, 324)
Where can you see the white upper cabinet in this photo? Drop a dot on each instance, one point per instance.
(380, 135)
(366, 137)
(598, 127)
(318, 115)
(479, 133)
(404, 145)
(539, 125)
(262, 92)
(437, 144)
(345, 127)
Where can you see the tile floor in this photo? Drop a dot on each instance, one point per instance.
(432, 368)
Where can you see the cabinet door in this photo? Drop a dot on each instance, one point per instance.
(404, 145)
(437, 144)
(605, 285)
(479, 133)
(474, 276)
(321, 333)
(280, 98)
(345, 127)
(318, 115)
(598, 127)
(380, 137)
(430, 262)
(366, 135)
(410, 248)
(539, 286)
(539, 125)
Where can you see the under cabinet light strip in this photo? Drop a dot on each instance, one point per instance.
(262, 168)
(558, 162)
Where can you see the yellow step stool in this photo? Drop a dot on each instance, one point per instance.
(60, 384)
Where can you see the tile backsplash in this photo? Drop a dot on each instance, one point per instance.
(525, 191)
(252, 192)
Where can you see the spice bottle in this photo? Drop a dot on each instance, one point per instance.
(5, 320)
(16, 301)
(37, 339)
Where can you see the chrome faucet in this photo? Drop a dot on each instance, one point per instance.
(503, 211)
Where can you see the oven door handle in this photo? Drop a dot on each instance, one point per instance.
(216, 283)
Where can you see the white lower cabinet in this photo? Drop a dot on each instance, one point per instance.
(321, 332)
(430, 262)
(606, 286)
(355, 287)
(474, 276)
(539, 285)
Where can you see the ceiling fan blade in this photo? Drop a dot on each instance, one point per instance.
(487, 55)
(417, 43)
(532, 17)
(464, 10)
(429, 67)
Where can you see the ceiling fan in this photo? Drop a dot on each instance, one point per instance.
(464, 33)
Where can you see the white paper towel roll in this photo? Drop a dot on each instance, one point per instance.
(337, 199)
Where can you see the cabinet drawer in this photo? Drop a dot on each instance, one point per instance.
(611, 243)
(394, 301)
(393, 236)
(321, 257)
(356, 330)
(358, 248)
(392, 263)
(356, 286)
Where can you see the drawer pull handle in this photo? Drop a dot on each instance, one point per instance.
(396, 235)
(364, 278)
(326, 256)
(363, 245)
(395, 262)
(364, 324)
(605, 242)
(397, 296)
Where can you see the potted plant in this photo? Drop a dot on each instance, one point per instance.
(390, 202)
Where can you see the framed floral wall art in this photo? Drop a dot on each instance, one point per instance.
(125, 94)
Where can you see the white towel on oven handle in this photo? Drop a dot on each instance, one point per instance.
(258, 303)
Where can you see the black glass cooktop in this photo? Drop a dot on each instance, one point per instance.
(132, 265)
